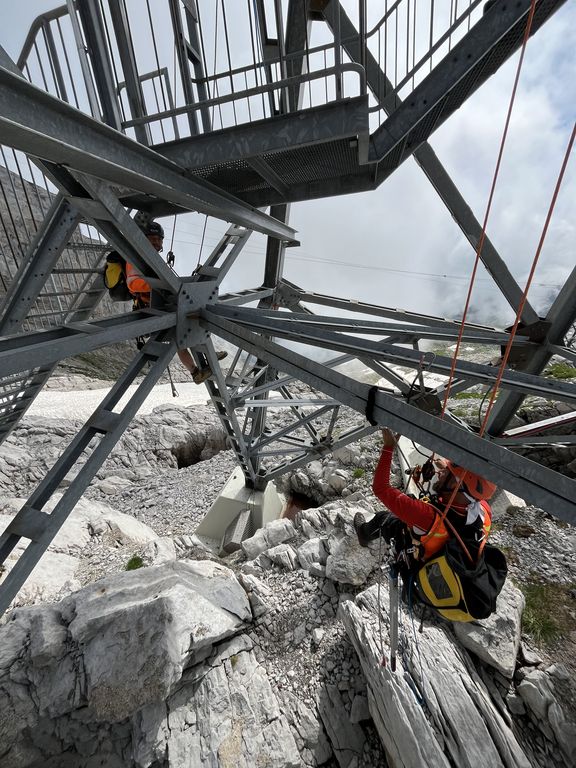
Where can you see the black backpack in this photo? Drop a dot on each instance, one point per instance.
(115, 277)
(458, 589)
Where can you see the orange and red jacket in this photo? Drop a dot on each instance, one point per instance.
(425, 521)
(135, 281)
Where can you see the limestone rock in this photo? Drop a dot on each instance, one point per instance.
(224, 713)
(308, 729)
(88, 518)
(496, 640)
(338, 480)
(348, 455)
(52, 577)
(112, 484)
(312, 551)
(113, 647)
(347, 738)
(538, 692)
(360, 710)
(279, 531)
(348, 563)
(158, 551)
(255, 545)
(463, 723)
(283, 555)
(259, 594)
(275, 533)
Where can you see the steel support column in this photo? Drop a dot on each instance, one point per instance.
(435, 172)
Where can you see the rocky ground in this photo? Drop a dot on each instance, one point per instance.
(166, 472)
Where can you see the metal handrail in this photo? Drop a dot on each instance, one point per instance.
(256, 91)
(35, 27)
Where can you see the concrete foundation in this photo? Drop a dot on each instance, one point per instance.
(265, 505)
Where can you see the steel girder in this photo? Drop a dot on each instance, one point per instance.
(529, 480)
(294, 328)
(36, 123)
(30, 350)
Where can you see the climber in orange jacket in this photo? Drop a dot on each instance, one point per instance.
(140, 289)
(427, 525)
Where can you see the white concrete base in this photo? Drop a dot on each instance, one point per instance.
(266, 506)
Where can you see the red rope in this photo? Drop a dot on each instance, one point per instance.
(529, 281)
(480, 245)
(515, 326)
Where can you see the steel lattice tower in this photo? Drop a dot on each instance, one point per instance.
(91, 131)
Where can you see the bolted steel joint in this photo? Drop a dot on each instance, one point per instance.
(192, 298)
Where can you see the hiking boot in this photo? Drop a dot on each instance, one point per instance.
(359, 523)
(221, 355)
(201, 374)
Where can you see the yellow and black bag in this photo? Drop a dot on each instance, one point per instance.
(115, 277)
(458, 590)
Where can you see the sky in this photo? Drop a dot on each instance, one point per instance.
(398, 246)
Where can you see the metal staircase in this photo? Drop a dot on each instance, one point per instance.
(226, 112)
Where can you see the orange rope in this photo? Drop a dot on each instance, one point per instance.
(489, 205)
(529, 281)
(479, 248)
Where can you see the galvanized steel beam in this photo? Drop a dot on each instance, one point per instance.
(42, 126)
(282, 327)
(328, 122)
(537, 484)
(437, 175)
(31, 350)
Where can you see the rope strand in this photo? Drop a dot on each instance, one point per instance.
(489, 204)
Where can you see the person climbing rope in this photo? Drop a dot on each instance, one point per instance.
(450, 529)
(139, 289)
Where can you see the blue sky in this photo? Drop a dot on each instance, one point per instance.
(350, 245)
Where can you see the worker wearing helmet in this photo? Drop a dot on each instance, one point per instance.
(425, 527)
(140, 290)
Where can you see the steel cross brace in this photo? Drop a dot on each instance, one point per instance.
(106, 425)
(402, 332)
(32, 350)
(539, 485)
(289, 295)
(284, 327)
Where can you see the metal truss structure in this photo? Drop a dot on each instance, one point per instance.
(94, 122)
